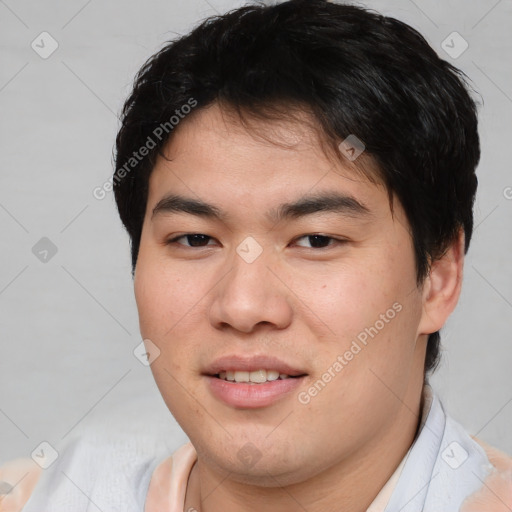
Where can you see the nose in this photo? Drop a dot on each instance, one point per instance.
(251, 293)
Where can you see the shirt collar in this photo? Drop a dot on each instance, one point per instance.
(382, 499)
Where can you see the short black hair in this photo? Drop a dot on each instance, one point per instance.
(355, 71)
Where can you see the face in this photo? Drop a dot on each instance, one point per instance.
(256, 255)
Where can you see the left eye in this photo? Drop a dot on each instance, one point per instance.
(318, 241)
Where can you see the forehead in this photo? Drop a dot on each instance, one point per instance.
(213, 154)
(282, 126)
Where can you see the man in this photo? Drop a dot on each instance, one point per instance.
(297, 182)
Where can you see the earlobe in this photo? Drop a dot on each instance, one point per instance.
(442, 287)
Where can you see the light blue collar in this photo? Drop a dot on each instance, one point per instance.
(443, 467)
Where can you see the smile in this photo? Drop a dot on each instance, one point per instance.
(252, 395)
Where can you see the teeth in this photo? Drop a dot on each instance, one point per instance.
(242, 377)
(257, 377)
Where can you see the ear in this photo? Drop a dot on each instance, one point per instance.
(442, 286)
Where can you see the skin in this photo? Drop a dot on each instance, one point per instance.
(297, 302)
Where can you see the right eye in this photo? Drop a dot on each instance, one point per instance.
(194, 239)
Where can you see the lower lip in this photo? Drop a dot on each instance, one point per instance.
(252, 396)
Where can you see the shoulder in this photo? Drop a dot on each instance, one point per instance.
(168, 482)
(111, 472)
(461, 464)
(158, 490)
(18, 477)
(495, 493)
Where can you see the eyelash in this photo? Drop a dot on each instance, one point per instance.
(330, 238)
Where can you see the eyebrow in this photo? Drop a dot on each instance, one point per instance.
(327, 202)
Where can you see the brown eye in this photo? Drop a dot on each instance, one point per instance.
(194, 239)
(318, 241)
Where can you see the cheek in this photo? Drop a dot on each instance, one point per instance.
(352, 298)
(372, 307)
(164, 293)
(168, 310)
(148, 292)
(171, 303)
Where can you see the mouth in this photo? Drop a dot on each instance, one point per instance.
(252, 382)
(257, 368)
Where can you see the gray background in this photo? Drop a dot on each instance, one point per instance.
(69, 325)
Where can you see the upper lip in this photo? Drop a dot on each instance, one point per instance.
(235, 362)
